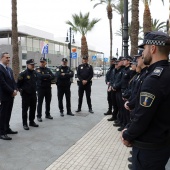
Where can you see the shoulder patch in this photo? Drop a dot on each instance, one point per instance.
(146, 99)
(157, 71)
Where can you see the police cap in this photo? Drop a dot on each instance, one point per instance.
(158, 38)
(113, 59)
(129, 58)
(64, 60)
(120, 58)
(30, 61)
(134, 62)
(139, 54)
(85, 57)
(42, 59)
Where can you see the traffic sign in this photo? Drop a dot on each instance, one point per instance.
(105, 59)
(73, 55)
(94, 58)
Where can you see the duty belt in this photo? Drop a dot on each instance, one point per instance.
(151, 146)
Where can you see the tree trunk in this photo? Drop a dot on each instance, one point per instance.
(110, 16)
(84, 46)
(147, 23)
(15, 58)
(134, 27)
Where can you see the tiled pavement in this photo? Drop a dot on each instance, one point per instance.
(99, 149)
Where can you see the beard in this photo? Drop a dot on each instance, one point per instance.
(147, 60)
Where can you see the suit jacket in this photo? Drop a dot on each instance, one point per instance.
(7, 84)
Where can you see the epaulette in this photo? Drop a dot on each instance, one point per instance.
(157, 71)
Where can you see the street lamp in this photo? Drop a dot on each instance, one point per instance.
(103, 62)
(69, 40)
(125, 29)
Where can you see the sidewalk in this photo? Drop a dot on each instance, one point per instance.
(85, 140)
(99, 149)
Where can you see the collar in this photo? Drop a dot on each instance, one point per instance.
(157, 64)
(3, 65)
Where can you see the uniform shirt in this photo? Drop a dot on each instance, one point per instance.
(116, 79)
(151, 122)
(44, 76)
(85, 72)
(127, 74)
(109, 74)
(64, 80)
(27, 81)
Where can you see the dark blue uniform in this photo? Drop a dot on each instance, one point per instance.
(84, 72)
(149, 130)
(63, 85)
(109, 93)
(27, 86)
(44, 78)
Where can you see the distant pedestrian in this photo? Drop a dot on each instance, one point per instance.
(85, 75)
(44, 78)
(27, 86)
(63, 82)
(8, 90)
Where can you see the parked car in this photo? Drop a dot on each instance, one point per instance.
(98, 71)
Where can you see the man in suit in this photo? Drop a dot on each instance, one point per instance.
(8, 90)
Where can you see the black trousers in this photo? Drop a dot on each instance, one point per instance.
(44, 93)
(29, 101)
(109, 99)
(61, 91)
(87, 89)
(5, 115)
(114, 104)
(144, 159)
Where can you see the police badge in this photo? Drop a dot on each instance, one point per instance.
(28, 77)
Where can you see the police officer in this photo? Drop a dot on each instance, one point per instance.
(109, 91)
(63, 77)
(27, 86)
(149, 131)
(85, 75)
(44, 76)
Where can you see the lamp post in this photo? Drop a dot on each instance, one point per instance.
(103, 62)
(125, 29)
(69, 40)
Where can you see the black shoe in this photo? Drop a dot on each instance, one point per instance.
(121, 128)
(33, 124)
(116, 121)
(111, 119)
(70, 113)
(39, 119)
(49, 117)
(78, 110)
(117, 124)
(10, 131)
(108, 113)
(130, 166)
(26, 127)
(130, 159)
(5, 137)
(91, 111)
(61, 114)
(130, 152)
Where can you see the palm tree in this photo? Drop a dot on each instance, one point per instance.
(156, 26)
(82, 25)
(147, 22)
(134, 29)
(15, 58)
(110, 16)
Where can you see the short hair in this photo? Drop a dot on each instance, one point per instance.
(3, 53)
(164, 50)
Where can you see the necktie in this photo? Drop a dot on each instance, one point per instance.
(8, 72)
